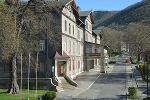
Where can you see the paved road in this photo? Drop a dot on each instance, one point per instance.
(108, 86)
(97, 86)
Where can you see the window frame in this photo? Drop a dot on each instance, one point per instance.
(42, 45)
(65, 25)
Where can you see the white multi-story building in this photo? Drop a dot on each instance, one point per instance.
(68, 46)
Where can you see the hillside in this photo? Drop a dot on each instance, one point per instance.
(139, 12)
(100, 16)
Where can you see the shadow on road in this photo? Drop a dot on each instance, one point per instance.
(119, 97)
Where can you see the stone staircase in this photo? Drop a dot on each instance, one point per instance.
(63, 84)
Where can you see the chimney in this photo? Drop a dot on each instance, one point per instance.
(78, 8)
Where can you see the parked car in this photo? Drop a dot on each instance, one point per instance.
(128, 60)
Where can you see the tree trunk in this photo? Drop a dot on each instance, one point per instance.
(13, 88)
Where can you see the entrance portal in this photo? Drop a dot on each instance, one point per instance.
(60, 70)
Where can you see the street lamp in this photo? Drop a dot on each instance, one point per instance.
(146, 60)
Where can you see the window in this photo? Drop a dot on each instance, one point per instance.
(65, 45)
(86, 37)
(42, 45)
(69, 28)
(73, 65)
(69, 65)
(78, 48)
(78, 34)
(6, 68)
(65, 25)
(96, 51)
(86, 24)
(73, 48)
(69, 46)
(90, 27)
(42, 66)
(73, 29)
(70, 13)
(90, 50)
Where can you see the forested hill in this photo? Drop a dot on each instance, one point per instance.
(100, 16)
(139, 12)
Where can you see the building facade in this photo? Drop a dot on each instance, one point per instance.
(74, 48)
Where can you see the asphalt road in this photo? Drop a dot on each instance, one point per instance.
(108, 86)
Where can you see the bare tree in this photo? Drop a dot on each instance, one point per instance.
(111, 38)
(21, 30)
(138, 37)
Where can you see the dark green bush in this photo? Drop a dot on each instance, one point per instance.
(50, 95)
(142, 69)
(132, 92)
(114, 53)
(147, 98)
(102, 71)
(112, 62)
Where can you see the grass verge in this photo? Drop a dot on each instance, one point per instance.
(4, 95)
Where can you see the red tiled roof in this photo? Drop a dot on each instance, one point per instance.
(64, 54)
(57, 54)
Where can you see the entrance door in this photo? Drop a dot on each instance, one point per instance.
(60, 70)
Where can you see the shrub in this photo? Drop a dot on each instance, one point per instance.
(112, 55)
(102, 71)
(132, 92)
(142, 68)
(147, 98)
(50, 95)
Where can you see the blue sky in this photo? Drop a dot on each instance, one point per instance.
(104, 4)
(108, 5)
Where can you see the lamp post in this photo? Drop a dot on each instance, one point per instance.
(146, 60)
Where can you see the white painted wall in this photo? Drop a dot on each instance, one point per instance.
(72, 41)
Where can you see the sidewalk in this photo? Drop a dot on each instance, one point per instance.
(137, 81)
(84, 80)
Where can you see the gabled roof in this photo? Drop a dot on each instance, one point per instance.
(98, 33)
(64, 2)
(84, 14)
(61, 2)
(64, 54)
(57, 54)
(72, 3)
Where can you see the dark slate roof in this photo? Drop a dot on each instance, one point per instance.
(84, 13)
(97, 31)
(63, 2)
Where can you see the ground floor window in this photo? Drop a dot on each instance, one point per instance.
(79, 64)
(69, 65)
(42, 66)
(6, 68)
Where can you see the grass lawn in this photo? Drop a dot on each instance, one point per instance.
(6, 96)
